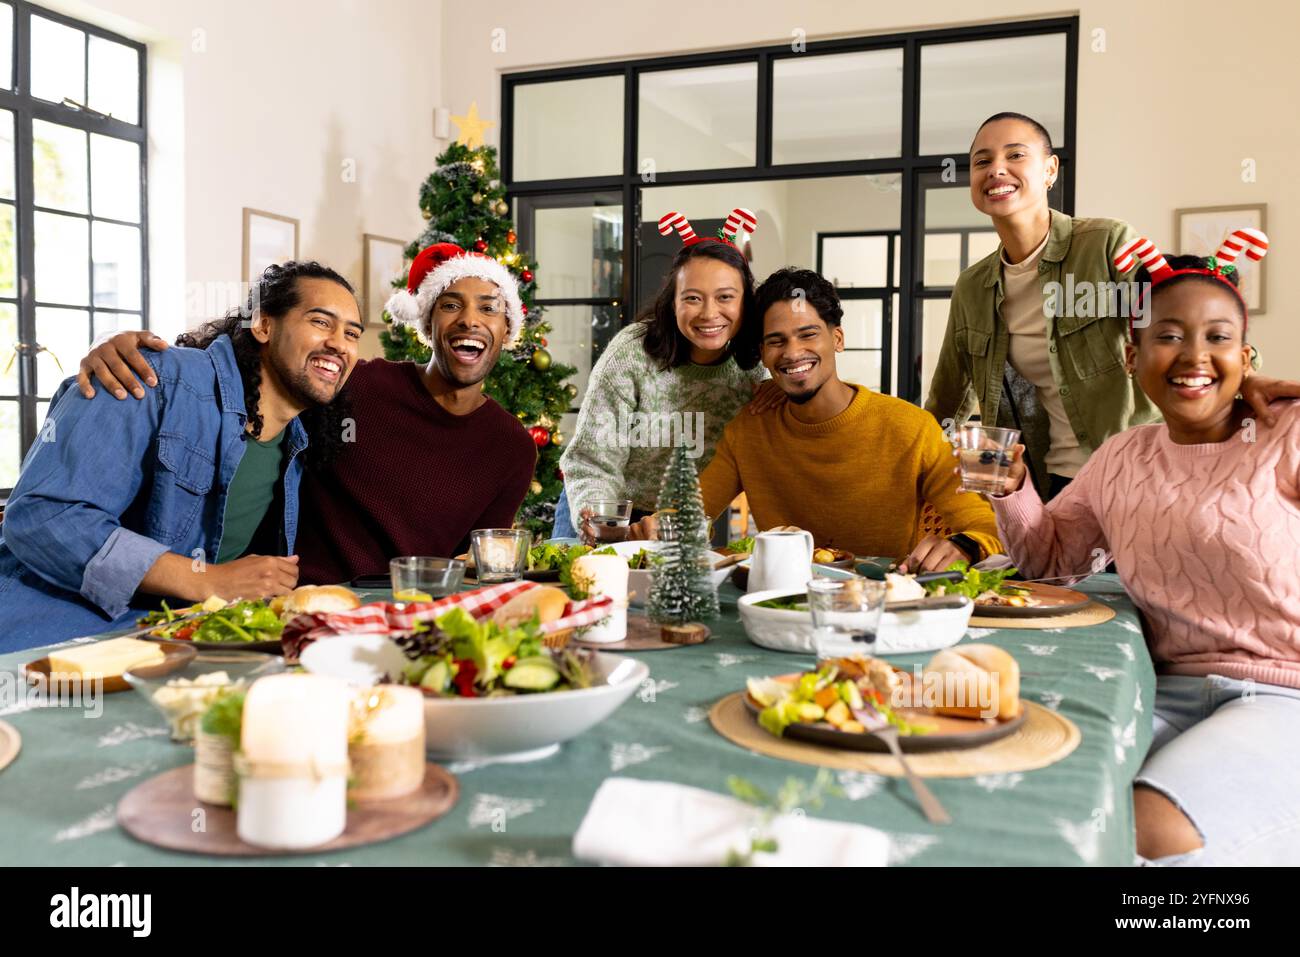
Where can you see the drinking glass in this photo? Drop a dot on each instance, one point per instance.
(845, 614)
(416, 578)
(985, 456)
(500, 554)
(610, 518)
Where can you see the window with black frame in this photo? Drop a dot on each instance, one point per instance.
(73, 248)
(852, 153)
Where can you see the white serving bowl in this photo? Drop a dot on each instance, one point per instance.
(638, 580)
(901, 632)
(515, 727)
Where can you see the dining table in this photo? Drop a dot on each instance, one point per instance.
(58, 798)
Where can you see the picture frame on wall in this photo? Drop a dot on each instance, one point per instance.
(1202, 229)
(268, 238)
(383, 260)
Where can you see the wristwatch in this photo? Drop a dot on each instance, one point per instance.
(969, 546)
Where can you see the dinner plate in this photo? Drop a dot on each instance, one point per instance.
(266, 647)
(1051, 600)
(948, 734)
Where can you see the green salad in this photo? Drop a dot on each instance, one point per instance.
(459, 657)
(977, 583)
(237, 623)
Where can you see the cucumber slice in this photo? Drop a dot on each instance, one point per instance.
(532, 674)
(437, 677)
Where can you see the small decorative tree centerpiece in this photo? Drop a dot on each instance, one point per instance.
(681, 583)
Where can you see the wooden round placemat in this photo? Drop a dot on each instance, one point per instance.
(11, 742)
(642, 635)
(1045, 738)
(1095, 614)
(160, 811)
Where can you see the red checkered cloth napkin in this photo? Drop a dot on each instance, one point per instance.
(382, 618)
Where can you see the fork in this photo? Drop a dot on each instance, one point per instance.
(887, 732)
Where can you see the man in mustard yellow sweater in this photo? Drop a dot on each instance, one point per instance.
(850, 465)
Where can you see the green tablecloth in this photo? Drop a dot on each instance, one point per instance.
(59, 797)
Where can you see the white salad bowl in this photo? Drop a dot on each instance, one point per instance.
(901, 632)
(514, 727)
(638, 580)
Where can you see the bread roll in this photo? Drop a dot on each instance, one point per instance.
(546, 601)
(968, 675)
(319, 598)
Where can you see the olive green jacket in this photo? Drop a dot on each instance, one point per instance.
(1087, 327)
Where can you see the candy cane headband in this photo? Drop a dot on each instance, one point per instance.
(1252, 242)
(730, 231)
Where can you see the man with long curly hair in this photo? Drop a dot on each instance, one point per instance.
(193, 491)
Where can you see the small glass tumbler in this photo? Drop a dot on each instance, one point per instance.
(500, 554)
(416, 578)
(985, 456)
(610, 519)
(845, 613)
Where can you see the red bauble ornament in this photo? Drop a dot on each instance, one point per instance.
(543, 340)
(526, 275)
(510, 236)
(541, 436)
(523, 309)
(480, 246)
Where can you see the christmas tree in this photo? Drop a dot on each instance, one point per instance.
(464, 203)
(681, 583)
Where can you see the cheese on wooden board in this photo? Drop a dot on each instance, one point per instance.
(108, 659)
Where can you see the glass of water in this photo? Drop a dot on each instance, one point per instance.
(985, 456)
(610, 518)
(846, 614)
(416, 578)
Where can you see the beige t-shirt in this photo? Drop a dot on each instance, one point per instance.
(1022, 311)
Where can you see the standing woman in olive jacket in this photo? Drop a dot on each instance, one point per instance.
(1034, 338)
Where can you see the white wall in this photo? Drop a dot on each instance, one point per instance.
(260, 103)
(1180, 97)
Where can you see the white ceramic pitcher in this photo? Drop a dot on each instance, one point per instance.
(781, 560)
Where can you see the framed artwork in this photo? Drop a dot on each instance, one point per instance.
(1201, 230)
(382, 261)
(268, 238)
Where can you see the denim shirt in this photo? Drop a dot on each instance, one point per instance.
(109, 486)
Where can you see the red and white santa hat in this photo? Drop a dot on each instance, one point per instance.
(436, 268)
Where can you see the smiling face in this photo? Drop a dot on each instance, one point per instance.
(1010, 168)
(1192, 358)
(709, 305)
(798, 348)
(312, 348)
(468, 328)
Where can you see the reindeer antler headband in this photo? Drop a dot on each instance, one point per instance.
(1252, 242)
(730, 231)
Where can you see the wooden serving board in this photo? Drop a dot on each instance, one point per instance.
(175, 653)
(160, 812)
(642, 635)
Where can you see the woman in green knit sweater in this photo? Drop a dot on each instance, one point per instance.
(668, 379)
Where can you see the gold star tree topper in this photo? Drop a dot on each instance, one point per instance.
(471, 127)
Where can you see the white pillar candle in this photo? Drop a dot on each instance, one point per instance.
(294, 758)
(386, 746)
(605, 576)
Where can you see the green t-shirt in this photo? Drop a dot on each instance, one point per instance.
(251, 493)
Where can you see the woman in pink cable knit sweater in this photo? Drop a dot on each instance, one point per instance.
(1201, 515)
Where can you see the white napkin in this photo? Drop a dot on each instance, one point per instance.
(658, 824)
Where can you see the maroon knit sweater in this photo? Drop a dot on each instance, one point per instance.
(416, 481)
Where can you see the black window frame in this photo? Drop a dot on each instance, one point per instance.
(910, 165)
(25, 109)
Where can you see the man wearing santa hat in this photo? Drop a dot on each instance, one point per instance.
(430, 457)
